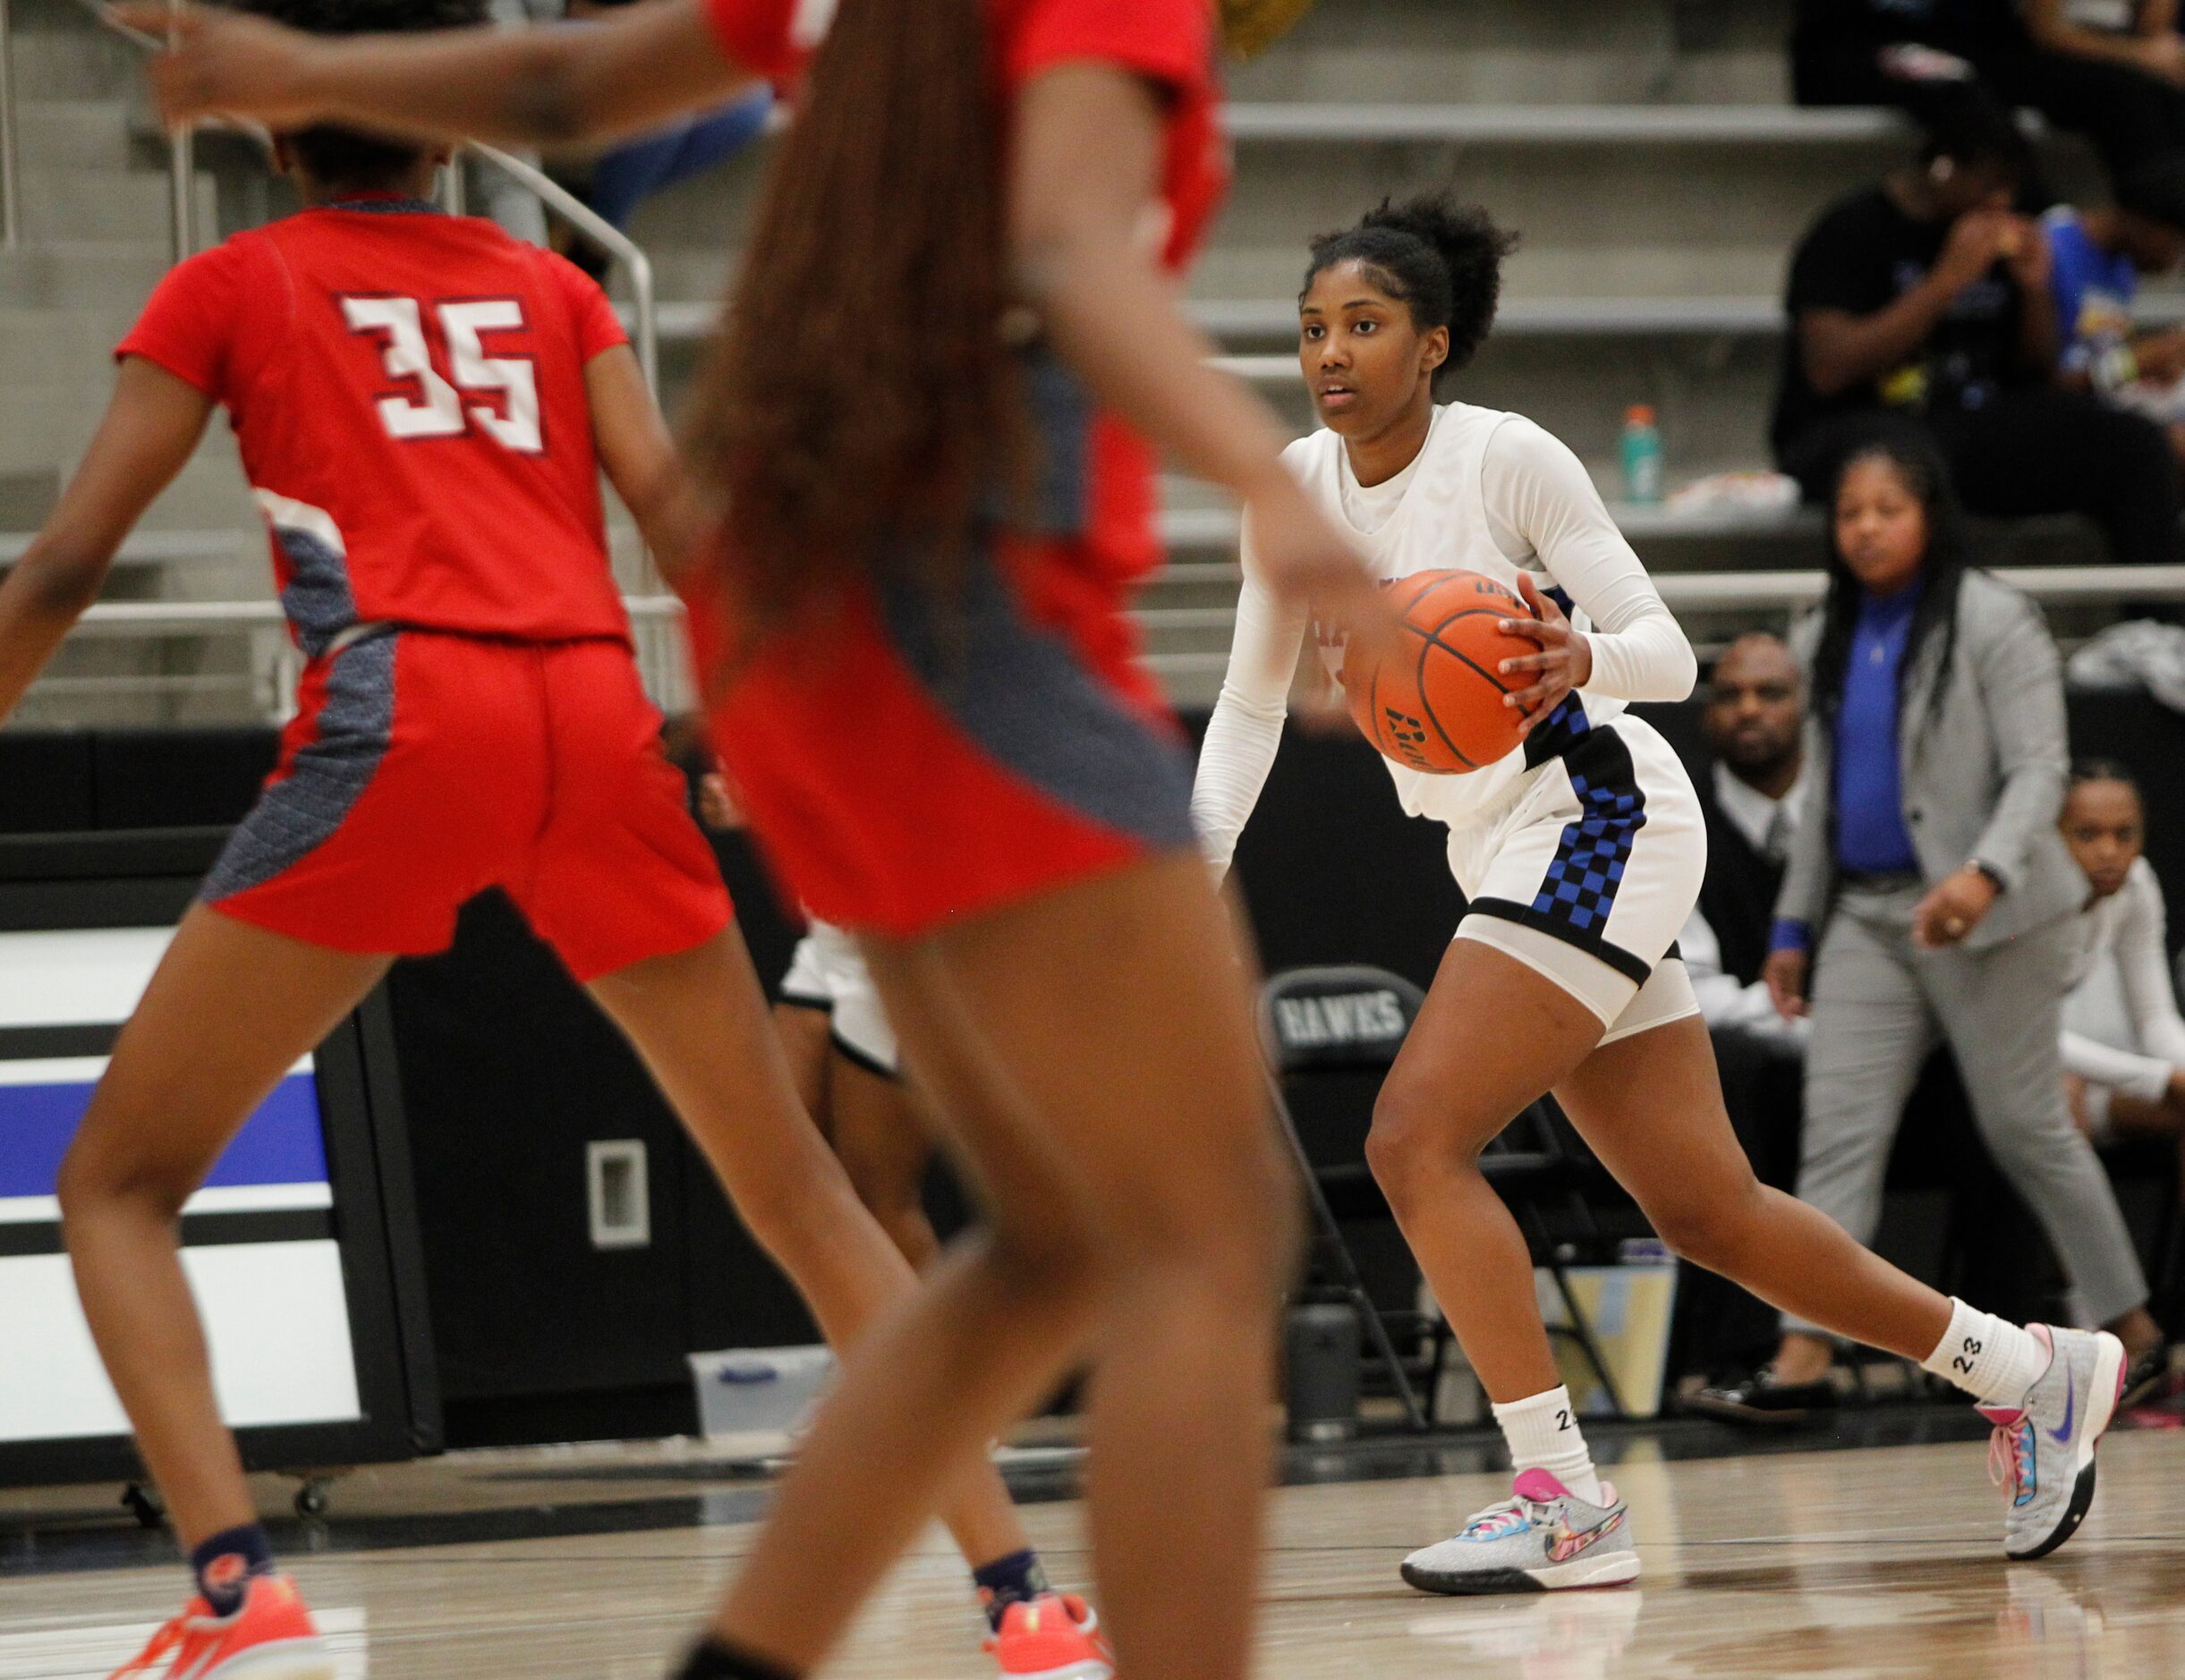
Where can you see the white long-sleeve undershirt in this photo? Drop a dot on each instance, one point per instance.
(1540, 503)
(2134, 926)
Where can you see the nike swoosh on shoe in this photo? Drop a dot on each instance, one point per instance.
(2070, 1411)
(1569, 1544)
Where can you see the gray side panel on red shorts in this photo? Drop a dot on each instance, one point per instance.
(303, 811)
(317, 598)
(1020, 693)
(1061, 412)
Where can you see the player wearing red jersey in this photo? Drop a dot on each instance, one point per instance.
(423, 408)
(929, 428)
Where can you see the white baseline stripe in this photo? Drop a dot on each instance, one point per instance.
(54, 1070)
(215, 1198)
(277, 1320)
(67, 979)
(76, 1070)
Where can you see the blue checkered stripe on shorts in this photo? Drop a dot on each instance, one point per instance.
(1581, 882)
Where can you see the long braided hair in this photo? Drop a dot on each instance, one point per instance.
(877, 266)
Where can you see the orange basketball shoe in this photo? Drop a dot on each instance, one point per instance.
(1055, 1636)
(272, 1637)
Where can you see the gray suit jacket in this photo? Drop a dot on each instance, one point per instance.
(1984, 773)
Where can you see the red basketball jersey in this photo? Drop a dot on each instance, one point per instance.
(1170, 42)
(407, 389)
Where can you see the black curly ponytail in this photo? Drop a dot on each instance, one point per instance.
(1437, 255)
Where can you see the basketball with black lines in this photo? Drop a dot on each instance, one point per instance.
(1435, 704)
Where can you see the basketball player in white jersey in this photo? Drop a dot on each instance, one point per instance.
(1581, 855)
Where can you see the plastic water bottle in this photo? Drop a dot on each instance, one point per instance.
(1642, 456)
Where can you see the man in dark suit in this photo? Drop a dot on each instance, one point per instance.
(1754, 797)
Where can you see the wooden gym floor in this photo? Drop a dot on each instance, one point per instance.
(1876, 1560)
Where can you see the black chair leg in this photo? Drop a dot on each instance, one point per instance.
(1347, 1270)
(1581, 1331)
(2169, 1271)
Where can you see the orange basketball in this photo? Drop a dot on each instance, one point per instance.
(1437, 704)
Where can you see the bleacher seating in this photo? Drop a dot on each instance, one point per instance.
(1648, 152)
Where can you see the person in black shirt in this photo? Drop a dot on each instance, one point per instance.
(1922, 305)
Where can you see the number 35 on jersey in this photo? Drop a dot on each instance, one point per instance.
(497, 395)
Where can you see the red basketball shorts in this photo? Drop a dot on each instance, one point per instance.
(909, 764)
(423, 767)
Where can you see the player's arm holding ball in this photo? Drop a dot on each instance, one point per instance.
(1565, 660)
(1636, 650)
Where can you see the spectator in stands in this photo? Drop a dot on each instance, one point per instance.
(2112, 70)
(616, 182)
(1752, 798)
(1923, 56)
(2123, 1039)
(634, 169)
(2097, 259)
(1932, 875)
(2119, 80)
(2141, 35)
(1920, 310)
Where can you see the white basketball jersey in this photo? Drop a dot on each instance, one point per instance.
(1441, 524)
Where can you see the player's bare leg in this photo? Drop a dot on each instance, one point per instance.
(1650, 1107)
(700, 1021)
(1495, 1035)
(1111, 1220)
(809, 1048)
(231, 1008)
(1495, 1031)
(886, 1146)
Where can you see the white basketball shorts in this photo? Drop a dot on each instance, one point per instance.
(828, 971)
(1588, 877)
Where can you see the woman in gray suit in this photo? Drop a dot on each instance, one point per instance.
(1934, 904)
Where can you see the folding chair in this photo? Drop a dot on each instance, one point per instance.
(1354, 1019)
(1350, 1020)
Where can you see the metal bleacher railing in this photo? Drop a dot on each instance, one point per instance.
(10, 169)
(1697, 594)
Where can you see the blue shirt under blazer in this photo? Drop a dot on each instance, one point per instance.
(1982, 760)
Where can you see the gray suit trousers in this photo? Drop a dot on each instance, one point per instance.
(1879, 1007)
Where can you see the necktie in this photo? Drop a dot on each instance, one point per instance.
(1775, 843)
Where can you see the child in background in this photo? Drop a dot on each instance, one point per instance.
(2123, 1042)
(2123, 1038)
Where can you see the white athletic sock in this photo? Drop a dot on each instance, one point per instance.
(1994, 1360)
(1544, 1434)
